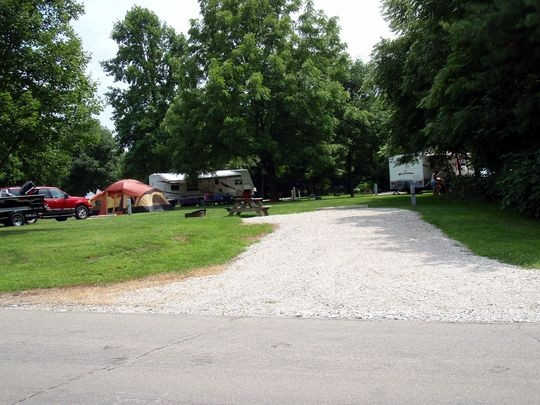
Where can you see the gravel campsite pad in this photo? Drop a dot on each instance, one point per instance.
(351, 262)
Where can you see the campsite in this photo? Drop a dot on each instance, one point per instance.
(269, 201)
(122, 247)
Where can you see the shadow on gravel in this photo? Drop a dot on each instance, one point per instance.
(395, 231)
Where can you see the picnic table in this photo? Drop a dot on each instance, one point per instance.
(248, 204)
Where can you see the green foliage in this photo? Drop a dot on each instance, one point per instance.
(360, 130)
(481, 188)
(406, 67)
(45, 97)
(519, 183)
(463, 77)
(365, 187)
(144, 64)
(260, 87)
(488, 92)
(96, 165)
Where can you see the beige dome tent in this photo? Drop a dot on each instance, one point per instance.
(114, 199)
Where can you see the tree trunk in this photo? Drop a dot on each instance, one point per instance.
(272, 180)
(350, 185)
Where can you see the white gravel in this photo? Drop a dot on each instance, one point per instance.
(352, 263)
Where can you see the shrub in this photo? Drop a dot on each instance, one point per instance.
(519, 183)
(475, 187)
(364, 188)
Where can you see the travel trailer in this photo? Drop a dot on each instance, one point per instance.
(220, 186)
(418, 171)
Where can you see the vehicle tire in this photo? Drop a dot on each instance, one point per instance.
(31, 221)
(81, 212)
(17, 220)
(61, 219)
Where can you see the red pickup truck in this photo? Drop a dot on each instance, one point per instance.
(61, 205)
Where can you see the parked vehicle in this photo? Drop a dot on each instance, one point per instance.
(61, 205)
(17, 210)
(220, 186)
(418, 172)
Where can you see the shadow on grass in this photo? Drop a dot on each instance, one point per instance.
(10, 230)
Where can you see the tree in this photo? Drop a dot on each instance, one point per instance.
(463, 77)
(144, 62)
(359, 131)
(259, 88)
(46, 100)
(406, 67)
(487, 94)
(97, 165)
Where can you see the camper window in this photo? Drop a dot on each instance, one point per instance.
(175, 187)
(237, 182)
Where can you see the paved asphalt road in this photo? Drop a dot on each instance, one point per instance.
(62, 358)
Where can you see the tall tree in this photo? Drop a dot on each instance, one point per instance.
(95, 166)
(359, 132)
(487, 94)
(407, 65)
(144, 64)
(259, 88)
(463, 77)
(46, 99)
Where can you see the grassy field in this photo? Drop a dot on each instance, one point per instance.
(111, 249)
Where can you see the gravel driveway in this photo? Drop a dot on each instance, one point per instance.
(354, 263)
(351, 263)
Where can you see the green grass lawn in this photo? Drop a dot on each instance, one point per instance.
(111, 249)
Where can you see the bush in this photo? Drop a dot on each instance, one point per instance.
(519, 183)
(365, 187)
(475, 187)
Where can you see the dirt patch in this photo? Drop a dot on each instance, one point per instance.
(180, 238)
(98, 294)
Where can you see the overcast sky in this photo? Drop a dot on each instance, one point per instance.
(362, 26)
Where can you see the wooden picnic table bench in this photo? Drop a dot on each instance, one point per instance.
(248, 204)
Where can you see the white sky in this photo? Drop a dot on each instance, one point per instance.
(362, 26)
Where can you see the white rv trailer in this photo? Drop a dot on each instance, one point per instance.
(220, 185)
(418, 171)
